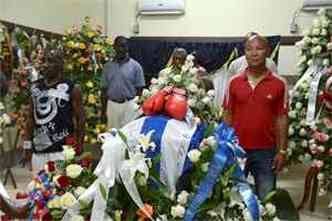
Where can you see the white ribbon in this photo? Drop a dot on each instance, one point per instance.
(316, 74)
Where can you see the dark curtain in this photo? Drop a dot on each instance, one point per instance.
(153, 53)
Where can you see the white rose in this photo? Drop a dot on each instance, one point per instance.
(321, 12)
(177, 78)
(326, 62)
(205, 167)
(298, 105)
(324, 32)
(307, 40)
(183, 198)
(211, 141)
(211, 93)
(193, 88)
(69, 152)
(154, 81)
(329, 46)
(315, 31)
(146, 93)
(316, 23)
(194, 155)
(193, 71)
(77, 218)
(304, 143)
(292, 114)
(270, 208)
(190, 57)
(79, 191)
(303, 132)
(320, 176)
(290, 131)
(178, 211)
(321, 148)
(310, 62)
(6, 119)
(73, 170)
(292, 145)
(67, 200)
(54, 203)
(315, 41)
(191, 102)
(206, 100)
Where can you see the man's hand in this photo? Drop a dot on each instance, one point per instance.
(279, 162)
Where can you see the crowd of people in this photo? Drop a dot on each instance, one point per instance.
(256, 105)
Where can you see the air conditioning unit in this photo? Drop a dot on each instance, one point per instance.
(309, 5)
(161, 7)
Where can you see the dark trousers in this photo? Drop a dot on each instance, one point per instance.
(259, 164)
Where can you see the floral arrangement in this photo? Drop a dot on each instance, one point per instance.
(310, 143)
(5, 120)
(200, 100)
(57, 187)
(86, 51)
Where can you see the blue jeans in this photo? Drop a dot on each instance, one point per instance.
(259, 164)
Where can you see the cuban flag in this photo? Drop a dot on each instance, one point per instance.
(173, 140)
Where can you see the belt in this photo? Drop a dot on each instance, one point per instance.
(120, 101)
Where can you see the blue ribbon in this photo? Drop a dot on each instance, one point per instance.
(225, 155)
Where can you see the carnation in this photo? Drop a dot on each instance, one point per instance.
(183, 198)
(73, 170)
(178, 211)
(194, 155)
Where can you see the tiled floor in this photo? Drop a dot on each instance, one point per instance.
(293, 181)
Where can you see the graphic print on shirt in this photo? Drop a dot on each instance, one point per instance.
(47, 104)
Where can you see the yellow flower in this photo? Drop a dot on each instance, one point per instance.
(70, 44)
(91, 34)
(93, 141)
(97, 130)
(92, 99)
(109, 41)
(82, 46)
(89, 84)
(97, 47)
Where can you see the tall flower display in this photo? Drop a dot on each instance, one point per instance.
(310, 115)
(86, 51)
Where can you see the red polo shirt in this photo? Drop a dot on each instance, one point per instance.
(254, 110)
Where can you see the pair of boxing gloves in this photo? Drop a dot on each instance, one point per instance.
(170, 101)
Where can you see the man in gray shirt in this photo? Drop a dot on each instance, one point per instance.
(122, 81)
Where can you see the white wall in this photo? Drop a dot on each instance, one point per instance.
(217, 18)
(51, 15)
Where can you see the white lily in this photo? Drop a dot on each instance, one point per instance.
(145, 143)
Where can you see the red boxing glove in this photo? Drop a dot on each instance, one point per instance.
(155, 103)
(176, 105)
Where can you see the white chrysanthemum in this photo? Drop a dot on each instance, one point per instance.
(324, 32)
(194, 155)
(270, 209)
(315, 41)
(316, 23)
(74, 170)
(315, 31)
(77, 218)
(303, 132)
(307, 40)
(177, 78)
(183, 198)
(304, 144)
(193, 88)
(291, 144)
(178, 211)
(205, 167)
(326, 62)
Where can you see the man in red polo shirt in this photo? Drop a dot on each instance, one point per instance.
(256, 106)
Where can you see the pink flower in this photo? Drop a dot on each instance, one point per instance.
(321, 137)
(328, 122)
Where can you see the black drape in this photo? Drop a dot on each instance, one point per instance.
(153, 53)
